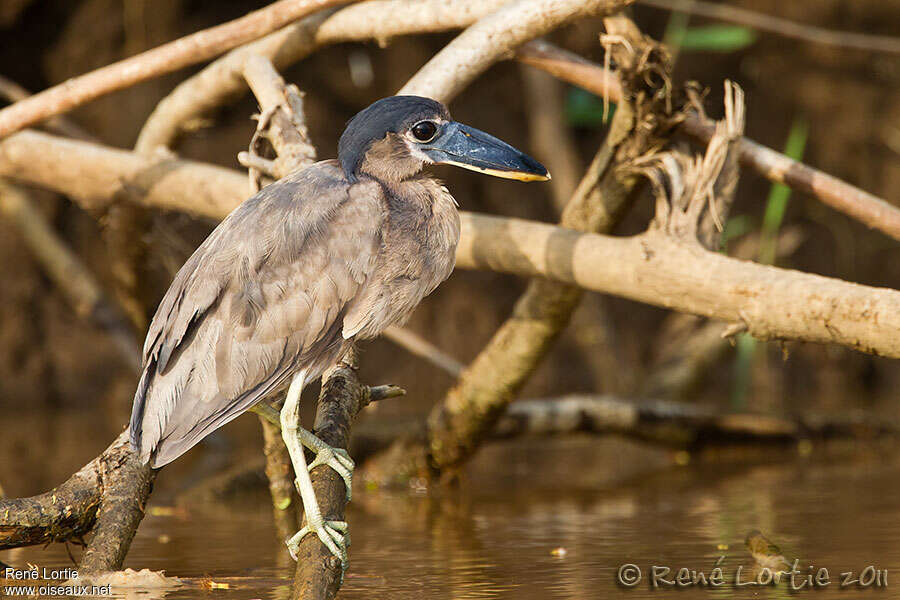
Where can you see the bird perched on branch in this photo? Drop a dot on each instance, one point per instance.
(332, 253)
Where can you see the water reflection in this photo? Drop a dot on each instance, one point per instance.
(512, 542)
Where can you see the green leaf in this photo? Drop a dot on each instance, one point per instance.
(717, 38)
(584, 109)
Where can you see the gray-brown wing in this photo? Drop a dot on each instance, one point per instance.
(263, 297)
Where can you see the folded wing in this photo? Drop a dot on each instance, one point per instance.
(262, 298)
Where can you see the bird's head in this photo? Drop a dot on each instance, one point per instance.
(393, 138)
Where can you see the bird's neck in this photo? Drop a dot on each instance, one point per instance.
(388, 160)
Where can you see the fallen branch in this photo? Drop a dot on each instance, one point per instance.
(181, 53)
(674, 424)
(773, 303)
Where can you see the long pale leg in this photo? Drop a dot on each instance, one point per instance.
(330, 532)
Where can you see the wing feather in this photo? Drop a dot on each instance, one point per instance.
(262, 298)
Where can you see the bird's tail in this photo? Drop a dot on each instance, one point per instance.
(135, 426)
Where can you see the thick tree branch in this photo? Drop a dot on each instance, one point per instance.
(774, 303)
(771, 303)
(105, 497)
(319, 573)
(493, 37)
(164, 59)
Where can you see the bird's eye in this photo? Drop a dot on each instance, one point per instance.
(424, 131)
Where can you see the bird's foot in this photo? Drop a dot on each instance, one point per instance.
(336, 458)
(332, 533)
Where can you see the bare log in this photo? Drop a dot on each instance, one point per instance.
(181, 53)
(674, 424)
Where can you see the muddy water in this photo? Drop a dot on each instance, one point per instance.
(537, 542)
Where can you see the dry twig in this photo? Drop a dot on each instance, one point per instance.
(870, 210)
(181, 53)
(373, 20)
(73, 278)
(784, 27)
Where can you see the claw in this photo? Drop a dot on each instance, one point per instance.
(330, 533)
(339, 460)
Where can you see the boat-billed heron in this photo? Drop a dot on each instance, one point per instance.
(332, 253)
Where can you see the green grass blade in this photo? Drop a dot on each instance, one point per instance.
(717, 38)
